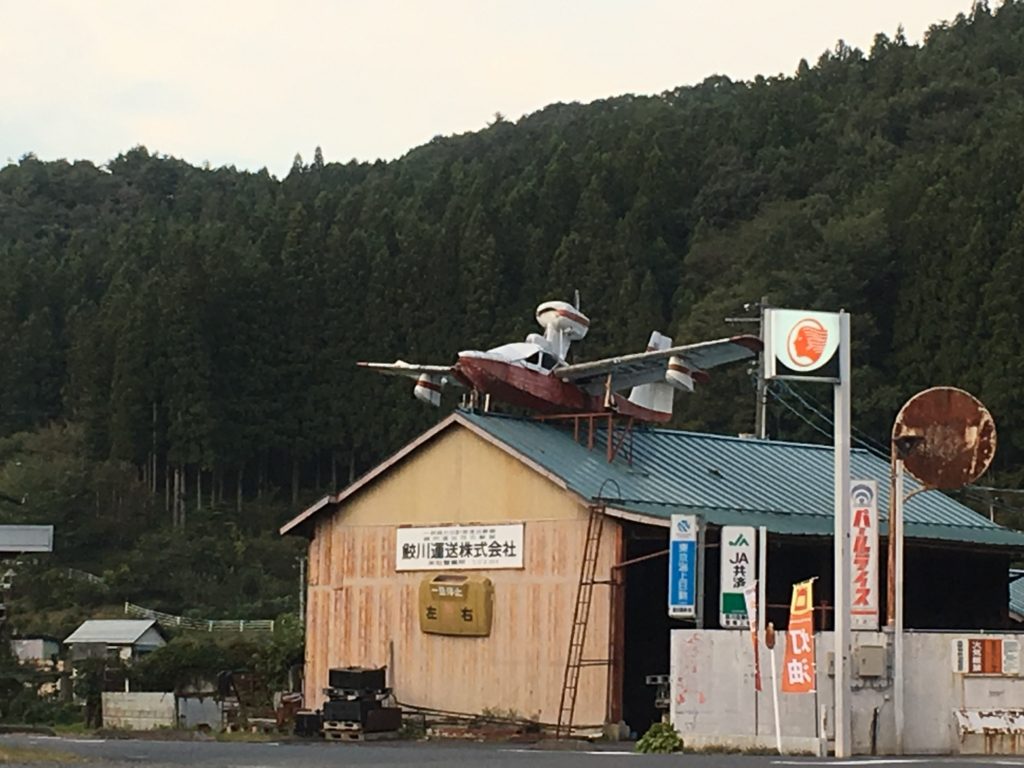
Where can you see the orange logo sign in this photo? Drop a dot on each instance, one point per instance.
(806, 342)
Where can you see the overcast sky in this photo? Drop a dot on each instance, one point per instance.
(252, 82)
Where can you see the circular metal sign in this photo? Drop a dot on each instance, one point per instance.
(945, 437)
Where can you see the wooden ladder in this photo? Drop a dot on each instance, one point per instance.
(581, 614)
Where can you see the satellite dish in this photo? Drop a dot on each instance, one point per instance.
(945, 437)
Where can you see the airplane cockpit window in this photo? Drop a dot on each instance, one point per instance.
(534, 359)
(547, 362)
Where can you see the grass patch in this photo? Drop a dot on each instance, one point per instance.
(12, 755)
(72, 729)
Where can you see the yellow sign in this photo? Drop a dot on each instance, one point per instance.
(456, 605)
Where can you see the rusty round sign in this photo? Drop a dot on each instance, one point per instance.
(945, 437)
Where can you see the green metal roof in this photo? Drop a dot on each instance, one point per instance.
(787, 487)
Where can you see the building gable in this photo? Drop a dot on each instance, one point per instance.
(459, 477)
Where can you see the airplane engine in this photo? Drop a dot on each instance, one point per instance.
(562, 317)
(428, 389)
(679, 375)
(563, 324)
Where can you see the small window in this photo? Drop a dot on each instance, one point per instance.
(534, 359)
(547, 361)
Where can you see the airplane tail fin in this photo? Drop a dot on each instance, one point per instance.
(657, 396)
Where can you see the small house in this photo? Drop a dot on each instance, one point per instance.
(124, 639)
(36, 650)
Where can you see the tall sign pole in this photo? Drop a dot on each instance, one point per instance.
(815, 346)
(841, 538)
(896, 531)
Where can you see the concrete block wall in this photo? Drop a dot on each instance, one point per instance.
(139, 711)
(713, 699)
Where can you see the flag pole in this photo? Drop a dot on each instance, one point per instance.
(770, 642)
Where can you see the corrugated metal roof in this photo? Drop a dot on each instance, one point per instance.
(112, 631)
(785, 486)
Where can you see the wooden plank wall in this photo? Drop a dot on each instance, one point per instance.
(362, 612)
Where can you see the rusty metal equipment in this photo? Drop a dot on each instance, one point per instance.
(945, 437)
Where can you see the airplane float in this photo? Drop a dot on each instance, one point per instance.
(535, 375)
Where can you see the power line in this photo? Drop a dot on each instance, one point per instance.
(993, 489)
(785, 404)
(803, 398)
(873, 449)
(979, 494)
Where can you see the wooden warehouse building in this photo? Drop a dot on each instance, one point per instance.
(398, 553)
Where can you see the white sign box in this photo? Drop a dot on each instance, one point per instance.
(459, 547)
(738, 571)
(801, 345)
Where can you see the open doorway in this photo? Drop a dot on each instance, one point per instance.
(646, 624)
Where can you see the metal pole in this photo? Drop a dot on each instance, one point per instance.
(762, 569)
(701, 567)
(302, 592)
(897, 662)
(775, 703)
(762, 578)
(843, 720)
(762, 385)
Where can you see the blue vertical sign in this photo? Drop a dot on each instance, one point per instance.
(682, 567)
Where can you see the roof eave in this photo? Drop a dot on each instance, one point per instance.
(300, 523)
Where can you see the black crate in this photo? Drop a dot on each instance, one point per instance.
(308, 723)
(350, 711)
(384, 719)
(358, 678)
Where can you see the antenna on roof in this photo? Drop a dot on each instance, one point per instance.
(577, 301)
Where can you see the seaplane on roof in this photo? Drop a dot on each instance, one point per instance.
(535, 375)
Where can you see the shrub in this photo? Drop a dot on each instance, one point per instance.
(661, 738)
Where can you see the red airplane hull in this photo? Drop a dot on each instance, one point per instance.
(543, 393)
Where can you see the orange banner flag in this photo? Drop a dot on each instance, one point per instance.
(798, 665)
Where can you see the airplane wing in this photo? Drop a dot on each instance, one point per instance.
(412, 370)
(647, 367)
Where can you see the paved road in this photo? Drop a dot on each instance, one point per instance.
(170, 754)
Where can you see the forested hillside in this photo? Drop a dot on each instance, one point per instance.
(172, 328)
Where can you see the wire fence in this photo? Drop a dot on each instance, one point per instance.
(201, 625)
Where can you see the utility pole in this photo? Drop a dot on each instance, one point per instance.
(302, 592)
(761, 412)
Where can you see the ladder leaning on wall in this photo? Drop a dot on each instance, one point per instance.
(581, 614)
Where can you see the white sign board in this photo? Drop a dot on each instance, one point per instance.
(986, 656)
(738, 571)
(682, 567)
(26, 538)
(459, 547)
(801, 345)
(864, 602)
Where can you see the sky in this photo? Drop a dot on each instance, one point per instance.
(250, 83)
